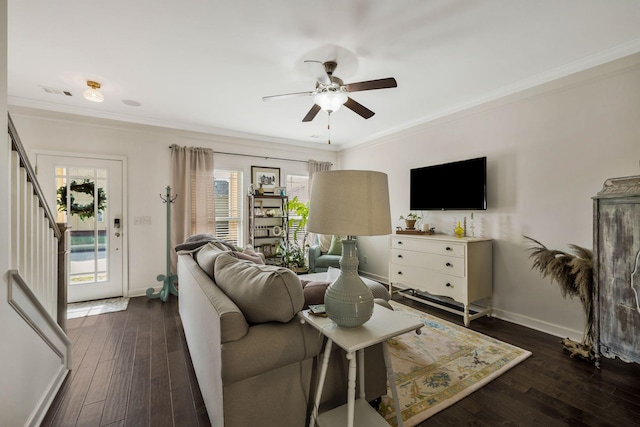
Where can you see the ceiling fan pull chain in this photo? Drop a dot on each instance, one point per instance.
(329, 129)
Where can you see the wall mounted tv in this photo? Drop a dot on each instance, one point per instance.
(458, 185)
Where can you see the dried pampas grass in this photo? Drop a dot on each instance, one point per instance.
(574, 275)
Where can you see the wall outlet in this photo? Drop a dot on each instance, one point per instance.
(366, 259)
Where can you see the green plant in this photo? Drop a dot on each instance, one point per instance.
(85, 211)
(293, 255)
(411, 216)
(299, 222)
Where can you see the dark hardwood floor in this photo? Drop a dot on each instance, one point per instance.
(133, 368)
(130, 368)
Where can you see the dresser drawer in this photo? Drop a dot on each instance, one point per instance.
(429, 246)
(429, 281)
(442, 263)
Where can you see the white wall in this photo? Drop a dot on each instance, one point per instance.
(146, 149)
(29, 365)
(549, 150)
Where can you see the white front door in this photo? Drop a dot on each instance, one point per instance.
(87, 195)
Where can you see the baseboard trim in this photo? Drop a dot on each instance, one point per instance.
(27, 305)
(376, 277)
(47, 399)
(538, 325)
(518, 319)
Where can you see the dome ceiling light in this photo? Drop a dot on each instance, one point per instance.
(93, 94)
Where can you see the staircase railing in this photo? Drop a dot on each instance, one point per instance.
(37, 242)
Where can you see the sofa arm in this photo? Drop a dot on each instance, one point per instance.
(268, 346)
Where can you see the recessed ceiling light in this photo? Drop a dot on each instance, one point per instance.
(131, 102)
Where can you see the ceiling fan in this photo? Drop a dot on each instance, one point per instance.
(331, 92)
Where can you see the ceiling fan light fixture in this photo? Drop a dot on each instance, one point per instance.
(330, 100)
(93, 94)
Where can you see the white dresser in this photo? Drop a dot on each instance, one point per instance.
(445, 266)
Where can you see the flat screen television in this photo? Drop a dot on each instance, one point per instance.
(458, 185)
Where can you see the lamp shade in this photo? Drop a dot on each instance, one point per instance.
(349, 203)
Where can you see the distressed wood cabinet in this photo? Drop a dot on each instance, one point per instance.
(616, 242)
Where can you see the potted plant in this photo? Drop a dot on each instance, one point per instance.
(411, 219)
(294, 257)
(298, 219)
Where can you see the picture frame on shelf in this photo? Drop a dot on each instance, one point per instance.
(280, 191)
(267, 176)
(267, 250)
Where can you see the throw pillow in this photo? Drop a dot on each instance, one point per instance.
(249, 257)
(251, 251)
(313, 292)
(324, 241)
(206, 258)
(336, 246)
(264, 293)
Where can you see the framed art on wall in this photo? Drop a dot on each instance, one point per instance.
(268, 177)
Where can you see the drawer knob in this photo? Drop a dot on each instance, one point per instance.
(449, 285)
(449, 248)
(399, 273)
(399, 242)
(400, 256)
(449, 264)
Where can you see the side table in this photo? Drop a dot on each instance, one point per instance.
(384, 324)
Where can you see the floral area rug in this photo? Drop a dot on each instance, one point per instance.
(90, 308)
(441, 366)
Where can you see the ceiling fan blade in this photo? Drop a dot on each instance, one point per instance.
(286, 96)
(317, 70)
(389, 82)
(312, 113)
(358, 108)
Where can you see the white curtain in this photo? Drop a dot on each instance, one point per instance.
(192, 181)
(316, 166)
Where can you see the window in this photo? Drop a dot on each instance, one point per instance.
(297, 186)
(228, 199)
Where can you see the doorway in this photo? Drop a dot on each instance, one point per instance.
(87, 194)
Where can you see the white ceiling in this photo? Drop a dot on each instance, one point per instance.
(204, 65)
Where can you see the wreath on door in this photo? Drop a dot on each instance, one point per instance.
(83, 211)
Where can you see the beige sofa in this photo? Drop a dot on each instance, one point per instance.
(254, 361)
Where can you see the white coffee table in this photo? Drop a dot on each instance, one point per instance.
(384, 324)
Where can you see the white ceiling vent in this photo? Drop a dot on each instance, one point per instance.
(56, 91)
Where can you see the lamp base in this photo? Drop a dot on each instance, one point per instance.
(348, 301)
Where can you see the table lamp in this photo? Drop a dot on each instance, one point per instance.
(349, 203)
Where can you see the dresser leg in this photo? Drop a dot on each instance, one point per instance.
(466, 315)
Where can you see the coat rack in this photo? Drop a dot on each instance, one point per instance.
(168, 279)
